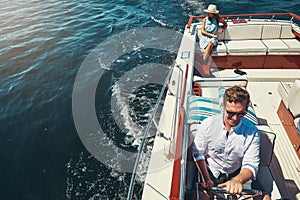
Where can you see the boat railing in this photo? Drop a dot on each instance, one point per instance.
(170, 152)
(179, 167)
(152, 120)
(268, 16)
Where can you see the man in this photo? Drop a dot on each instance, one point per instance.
(226, 146)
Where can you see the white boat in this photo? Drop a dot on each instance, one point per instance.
(266, 50)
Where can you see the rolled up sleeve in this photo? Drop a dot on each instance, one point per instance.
(251, 158)
(200, 142)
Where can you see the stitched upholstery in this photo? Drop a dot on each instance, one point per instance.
(257, 39)
(293, 44)
(243, 32)
(286, 32)
(271, 31)
(276, 46)
(248, 47)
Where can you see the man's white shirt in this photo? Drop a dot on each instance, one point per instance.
(226, 154)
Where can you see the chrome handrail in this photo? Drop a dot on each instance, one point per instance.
(177, 108)
(132, 182)
(177, 187)
(183, 160)
(185, 140)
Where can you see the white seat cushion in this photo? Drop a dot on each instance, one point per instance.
(276, 46)
(271, 31)
(221, 36)
(286, 32)
(243, 31)
(293, 44)
(221, 49)
(246, 47)
(241, 81)
(293, 99)
(267, 139)
(283, 90)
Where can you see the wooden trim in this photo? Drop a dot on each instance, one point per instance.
(175, 186)
(296, 34)
(287, 121)
(258, 61)
(192, 18)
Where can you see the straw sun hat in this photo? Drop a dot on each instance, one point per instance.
(211, 9)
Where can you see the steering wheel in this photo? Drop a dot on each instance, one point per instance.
(221, 193)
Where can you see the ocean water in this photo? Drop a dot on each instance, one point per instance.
(43, 47)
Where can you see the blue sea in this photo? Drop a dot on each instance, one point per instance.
(63, 130)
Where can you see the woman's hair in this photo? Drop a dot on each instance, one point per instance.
(236, 94)
(217, 16)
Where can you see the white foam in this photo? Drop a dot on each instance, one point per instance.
(159, 21)
(123, 110)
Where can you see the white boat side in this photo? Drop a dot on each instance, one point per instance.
(268, 69)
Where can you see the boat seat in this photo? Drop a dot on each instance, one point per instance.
(286, 32)
(199, 108)
(260, 39)
(279, 39)
(221, 50)
(271, 31)
(246, 47)
(293, 44)
(244, 39)
(283, 90)
(276, 46)
(243, 32)
(293, 99)
(241, 81)
(257, 39)
(267, 141)
(290, 95)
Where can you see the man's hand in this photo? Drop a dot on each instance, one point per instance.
(233, 186)
(209, 183)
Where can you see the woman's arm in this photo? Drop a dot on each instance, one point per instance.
(224, 25)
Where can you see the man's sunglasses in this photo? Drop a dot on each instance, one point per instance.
(238, 114)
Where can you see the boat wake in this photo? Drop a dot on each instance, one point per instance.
(134, 95)
(123, 120)
(121, 114)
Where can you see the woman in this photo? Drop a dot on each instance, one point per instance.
(209, 30)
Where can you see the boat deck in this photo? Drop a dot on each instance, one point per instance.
(266, 67)
(285, 161)
(266, 100)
